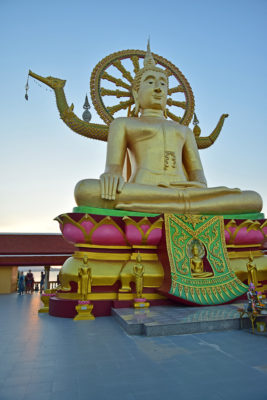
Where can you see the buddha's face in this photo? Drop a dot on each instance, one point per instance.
(195, 251)
(152, 93)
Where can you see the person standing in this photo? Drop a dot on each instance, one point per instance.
(42, 281)
(29, 282)
(21, 285)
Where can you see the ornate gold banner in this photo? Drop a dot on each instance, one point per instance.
(199, 265)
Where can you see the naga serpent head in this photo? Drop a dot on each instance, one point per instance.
(50, 81)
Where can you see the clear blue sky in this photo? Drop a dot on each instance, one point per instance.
(220, 46)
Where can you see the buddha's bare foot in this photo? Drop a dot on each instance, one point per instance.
(153, 208)
(189, 184)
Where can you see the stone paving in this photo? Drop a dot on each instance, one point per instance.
(49, 358)
(163, 321)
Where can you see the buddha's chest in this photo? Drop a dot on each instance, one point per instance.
(161, 134)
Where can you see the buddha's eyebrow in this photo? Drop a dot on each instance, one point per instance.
(149, 77)
(162, 78)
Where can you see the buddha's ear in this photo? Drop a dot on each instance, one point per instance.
(136, 102)
(135, 95)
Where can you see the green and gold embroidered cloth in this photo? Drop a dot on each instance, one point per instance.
(200, 271)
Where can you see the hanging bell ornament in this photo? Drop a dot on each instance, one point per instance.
(196, 130)
(86, 114)
(27, 88)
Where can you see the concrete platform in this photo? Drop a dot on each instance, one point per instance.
(171, 320)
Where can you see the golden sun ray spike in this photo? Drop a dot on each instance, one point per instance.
(118, 82)
(175, 89)
(126, 74)
(121, 106)
(117, 93)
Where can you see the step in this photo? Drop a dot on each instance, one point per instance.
(180, 320)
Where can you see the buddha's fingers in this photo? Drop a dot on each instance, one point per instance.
(111, 179)
(102, 187)
(106, 186)
(114, 188)
(109, 185)
(121, 184)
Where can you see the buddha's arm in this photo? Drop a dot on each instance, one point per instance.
(111, 180)
(249, 267)
(192, 160)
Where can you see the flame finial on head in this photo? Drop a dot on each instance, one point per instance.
(149, 60)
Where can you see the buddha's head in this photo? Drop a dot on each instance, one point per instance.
(195, 250)
(150, 86)
(251, 258)
(85, 260)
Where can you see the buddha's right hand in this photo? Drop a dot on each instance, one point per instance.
(110, 185)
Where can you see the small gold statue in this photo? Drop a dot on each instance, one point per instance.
(196, 263)
(138, 270)
(84, 280)
(252, 272)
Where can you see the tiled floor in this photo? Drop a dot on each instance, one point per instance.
(43, 357)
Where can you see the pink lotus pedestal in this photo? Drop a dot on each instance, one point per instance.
(109, 245)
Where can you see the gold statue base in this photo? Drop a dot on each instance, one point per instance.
(84, 310)
(261, 326)
(141, 303)
(45, 297)
(108, 245)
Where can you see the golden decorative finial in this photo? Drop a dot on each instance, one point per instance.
(149, 60)
(196, 130)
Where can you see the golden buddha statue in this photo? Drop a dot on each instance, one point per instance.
(196, 264)
(138, 270)
(84, 280)
(252, 272)
(167, 173)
